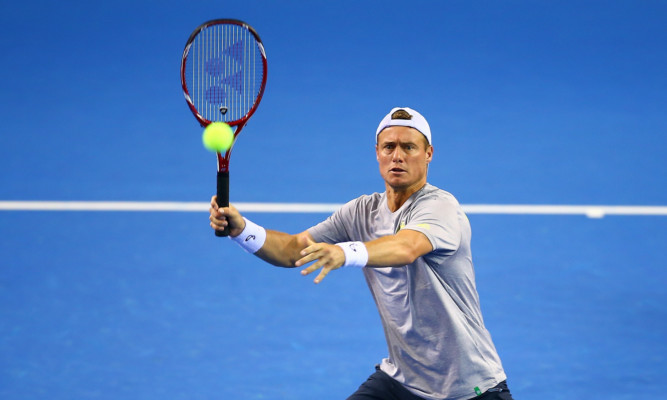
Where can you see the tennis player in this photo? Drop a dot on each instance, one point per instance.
(413, 244)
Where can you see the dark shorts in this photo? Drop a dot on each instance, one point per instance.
(381, 386)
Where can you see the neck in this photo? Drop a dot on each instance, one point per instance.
(396, 197)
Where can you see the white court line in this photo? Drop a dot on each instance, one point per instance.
(591, 211)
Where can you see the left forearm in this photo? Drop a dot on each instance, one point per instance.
(397, 250)
(390, 251)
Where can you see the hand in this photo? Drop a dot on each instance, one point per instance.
(326, 256)
(221, 217)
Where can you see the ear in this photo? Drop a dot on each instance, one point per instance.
(429, 154)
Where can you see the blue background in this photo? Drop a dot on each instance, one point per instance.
(529, 102)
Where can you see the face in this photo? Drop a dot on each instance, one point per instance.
(403, 155)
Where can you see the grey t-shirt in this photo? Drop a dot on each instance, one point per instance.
(438, 345)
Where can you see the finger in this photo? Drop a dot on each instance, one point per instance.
(310, 248)
(214, 203)
(305, 241)
(216, 216)
(218, 221)
(308, 254)
(218, 225)
(312, 268)
(306, 259)
(215, 211)
(226, 211)
(324, 272)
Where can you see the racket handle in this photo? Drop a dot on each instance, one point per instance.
(223, 197)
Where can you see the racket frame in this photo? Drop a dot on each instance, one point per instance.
(238, 124)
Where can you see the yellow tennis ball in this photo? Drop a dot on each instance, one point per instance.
(218, 136)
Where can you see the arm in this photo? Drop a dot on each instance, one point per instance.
(389, 251)
(280, 249)
(398, 250)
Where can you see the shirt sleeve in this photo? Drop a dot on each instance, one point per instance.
(336, 228)
(437, 218)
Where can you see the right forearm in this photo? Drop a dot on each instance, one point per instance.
(274, 247)
(280, 249)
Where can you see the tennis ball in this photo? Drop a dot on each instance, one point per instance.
(218, 137)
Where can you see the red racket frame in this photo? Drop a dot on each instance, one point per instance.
(223, 161)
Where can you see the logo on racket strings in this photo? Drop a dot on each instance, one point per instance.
(215, 68)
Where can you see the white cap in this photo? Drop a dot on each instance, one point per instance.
(417, 122)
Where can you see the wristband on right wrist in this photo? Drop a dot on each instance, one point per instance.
(252, 237)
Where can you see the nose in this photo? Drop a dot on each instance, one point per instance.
(397, 155)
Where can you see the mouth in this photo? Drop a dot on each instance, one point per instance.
(397, 170)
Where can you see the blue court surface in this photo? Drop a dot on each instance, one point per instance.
(530, 104)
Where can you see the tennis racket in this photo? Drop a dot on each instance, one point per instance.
(223, 74)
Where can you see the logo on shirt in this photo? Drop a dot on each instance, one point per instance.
(402, 225)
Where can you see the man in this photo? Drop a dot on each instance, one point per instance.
(413, 243)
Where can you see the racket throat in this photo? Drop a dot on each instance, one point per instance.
(223, 162)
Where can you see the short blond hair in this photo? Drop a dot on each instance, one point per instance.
(402, 114)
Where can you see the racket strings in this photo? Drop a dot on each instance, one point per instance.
(224, 72)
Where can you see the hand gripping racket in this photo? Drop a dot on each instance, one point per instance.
(223, 74)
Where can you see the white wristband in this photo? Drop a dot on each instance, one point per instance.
(252, 238)
(356, 254)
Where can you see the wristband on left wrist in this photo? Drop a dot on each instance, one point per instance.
(356, 254)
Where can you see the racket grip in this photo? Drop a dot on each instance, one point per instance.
(223, 197)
